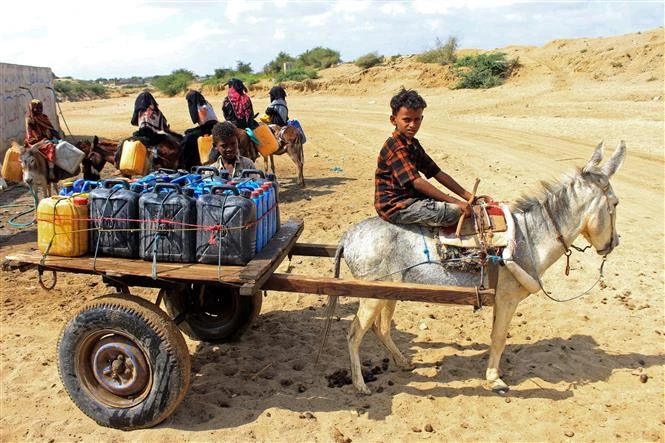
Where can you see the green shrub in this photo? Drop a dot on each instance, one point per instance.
(319, 58)
(484, 70)
(75, 90)
(369, 60)
(296, 74)
(174, 83)
(443, 54)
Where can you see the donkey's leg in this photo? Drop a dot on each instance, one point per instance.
(382, 327)
(295, 152)
(504, 308)
(272, 163)
(368, 311)
(265, 162)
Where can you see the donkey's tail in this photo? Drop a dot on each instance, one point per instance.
(332, 302)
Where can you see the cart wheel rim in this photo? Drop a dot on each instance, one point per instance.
(114, 369)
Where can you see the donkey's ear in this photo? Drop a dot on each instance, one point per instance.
(614, 163)
(595, 158)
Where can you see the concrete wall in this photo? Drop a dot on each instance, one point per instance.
(14, 100)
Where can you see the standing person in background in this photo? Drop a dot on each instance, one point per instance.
(277, 109)
(237, 106)
(203, 115)
(39, 129)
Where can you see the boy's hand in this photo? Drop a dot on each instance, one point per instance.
(466, 208)
(486, 198)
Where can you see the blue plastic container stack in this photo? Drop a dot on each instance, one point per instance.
(264, 195)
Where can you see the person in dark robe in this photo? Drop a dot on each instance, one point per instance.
(277, 109)
(203, 116)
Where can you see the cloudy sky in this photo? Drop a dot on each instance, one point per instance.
(121, 38)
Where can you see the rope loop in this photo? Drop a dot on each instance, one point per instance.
(41, 281)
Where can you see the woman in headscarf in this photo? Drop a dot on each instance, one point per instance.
(39, 129)
(204, 117)
(237, 106)
(277, 109)
(153, 127)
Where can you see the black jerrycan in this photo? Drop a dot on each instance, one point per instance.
(227, 235)
(168, 224)
(114, 217)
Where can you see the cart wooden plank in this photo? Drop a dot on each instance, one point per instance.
(380, 289)
(250, 276)
(266, 261)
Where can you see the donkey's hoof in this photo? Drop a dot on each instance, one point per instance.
(499, 387)
(404, 364)
(363, 390)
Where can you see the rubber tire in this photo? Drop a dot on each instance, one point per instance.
(160, 344)
(203, 323)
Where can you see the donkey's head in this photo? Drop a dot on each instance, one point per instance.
(599, 227)
(35, 167)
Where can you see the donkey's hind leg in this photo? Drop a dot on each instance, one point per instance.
(265, 162)
(382, 329)
(368, 311)
(296, 154)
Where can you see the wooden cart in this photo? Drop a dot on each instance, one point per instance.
(124, 361)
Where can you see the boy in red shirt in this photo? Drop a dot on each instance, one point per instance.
(401, 194)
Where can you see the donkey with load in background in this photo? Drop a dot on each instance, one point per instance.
(288, 141)
(543, 229)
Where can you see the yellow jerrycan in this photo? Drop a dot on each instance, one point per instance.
(11, 166)
(267, 141)
(205, 145)
(133, 158)
(62, 225)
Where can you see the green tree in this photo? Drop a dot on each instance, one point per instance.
(172, 84)
(276, 66)
(243, 68)
(223, 73)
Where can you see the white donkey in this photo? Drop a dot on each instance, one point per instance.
(544, 227)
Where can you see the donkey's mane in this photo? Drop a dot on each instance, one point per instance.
(557, 193)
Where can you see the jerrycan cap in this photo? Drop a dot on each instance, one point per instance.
(80, 199)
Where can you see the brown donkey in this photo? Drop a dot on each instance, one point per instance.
(288, 140)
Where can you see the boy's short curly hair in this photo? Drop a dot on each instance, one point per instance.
(407, 98)
(223, 130)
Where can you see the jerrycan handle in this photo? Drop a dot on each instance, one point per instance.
(88, 185)
(247, 172)
(166, 171)
(198, 169)
(173, 186)
(112, 182)
(231, 188)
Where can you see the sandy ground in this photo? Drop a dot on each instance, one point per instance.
(574, 368)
